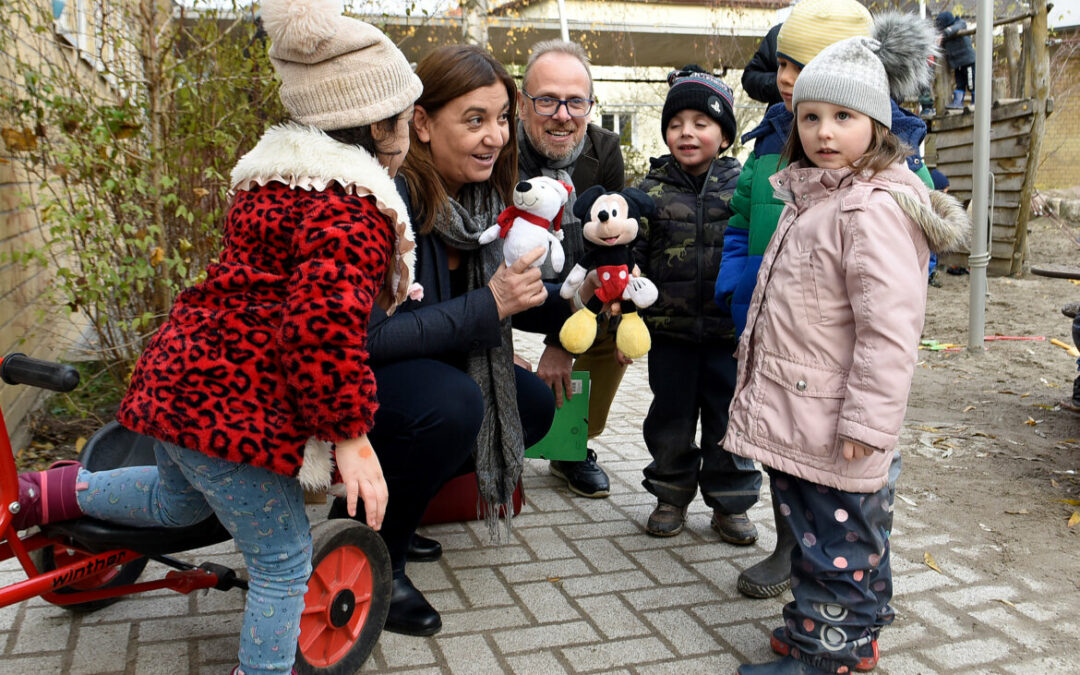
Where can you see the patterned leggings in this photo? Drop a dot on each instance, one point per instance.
(840, 573)
(263, 511)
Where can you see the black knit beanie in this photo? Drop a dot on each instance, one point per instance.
(695, 89)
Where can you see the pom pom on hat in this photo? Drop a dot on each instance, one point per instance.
(300, 25)
(907, 42)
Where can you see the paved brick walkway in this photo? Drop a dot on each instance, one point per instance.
(581, 588)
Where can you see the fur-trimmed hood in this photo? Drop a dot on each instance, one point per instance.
(944, 222)
(305, 157)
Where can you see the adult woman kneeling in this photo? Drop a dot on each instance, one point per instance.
(444, 366)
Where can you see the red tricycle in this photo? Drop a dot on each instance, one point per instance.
(86, 564)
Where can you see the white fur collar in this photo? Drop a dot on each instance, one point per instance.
(305, 157)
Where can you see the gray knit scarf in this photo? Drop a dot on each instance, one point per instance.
(531, 163)
(500, 445)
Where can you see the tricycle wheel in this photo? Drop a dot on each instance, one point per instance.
(57, 555)
(347, 599)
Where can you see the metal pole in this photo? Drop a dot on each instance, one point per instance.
(564, 30)
(980, 170)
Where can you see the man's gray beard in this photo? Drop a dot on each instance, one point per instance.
(544, 149)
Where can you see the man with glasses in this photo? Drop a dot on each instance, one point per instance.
(555, 139)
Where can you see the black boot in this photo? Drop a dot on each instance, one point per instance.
(410, 613)
(422, 549)
(771, 576)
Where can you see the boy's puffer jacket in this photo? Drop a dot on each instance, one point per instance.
(679, 249)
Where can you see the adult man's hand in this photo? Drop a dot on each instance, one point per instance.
(518, 287)
(554, 369)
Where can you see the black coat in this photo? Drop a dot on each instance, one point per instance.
(759, 76)
(600, 162)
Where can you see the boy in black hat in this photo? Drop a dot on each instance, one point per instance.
(692, 360)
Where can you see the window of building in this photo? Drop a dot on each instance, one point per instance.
(621, 123)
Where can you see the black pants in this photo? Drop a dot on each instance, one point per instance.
(690, 380)
(965, 79)
(424, 434)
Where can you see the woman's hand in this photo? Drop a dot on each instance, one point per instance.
(518, 287)
(363, 478)
(853, 451)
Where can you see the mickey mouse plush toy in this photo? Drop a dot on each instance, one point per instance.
(611, 223)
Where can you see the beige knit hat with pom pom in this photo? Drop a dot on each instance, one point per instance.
(336, 72)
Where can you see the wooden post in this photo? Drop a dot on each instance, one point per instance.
(1012, 58)
(943, 84)
(1040, 88)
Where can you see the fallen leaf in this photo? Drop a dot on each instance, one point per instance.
(931, 563)
(983, 434)
(158, 256)
(1070, 502)
(1021, 512)
(1025, 394)
(969, 408)
(1030, 422)
(80, 443)
(934, 429)
(1074, 518)
(554, 579)
(1005, 602)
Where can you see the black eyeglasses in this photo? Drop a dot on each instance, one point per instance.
(548, 106)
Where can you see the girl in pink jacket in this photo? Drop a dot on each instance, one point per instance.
(827, 355)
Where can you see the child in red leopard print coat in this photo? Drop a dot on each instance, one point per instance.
(258, 386)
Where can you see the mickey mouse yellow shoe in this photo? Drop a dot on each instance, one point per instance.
(579, 331)
(633, 338)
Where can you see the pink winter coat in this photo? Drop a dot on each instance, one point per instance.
(833, 327)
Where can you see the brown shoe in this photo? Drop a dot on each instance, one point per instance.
(734, 528)
(666, 520)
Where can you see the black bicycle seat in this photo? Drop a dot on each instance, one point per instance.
(113, 447)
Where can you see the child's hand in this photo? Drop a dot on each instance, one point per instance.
(362, 475)
(854, 451)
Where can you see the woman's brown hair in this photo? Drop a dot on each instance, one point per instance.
(885, 149)
(447, 73)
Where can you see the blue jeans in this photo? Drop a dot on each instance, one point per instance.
(263, 511)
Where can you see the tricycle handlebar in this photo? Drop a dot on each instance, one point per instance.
(21, 369)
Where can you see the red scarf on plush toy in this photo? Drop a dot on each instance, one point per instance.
(506, 219)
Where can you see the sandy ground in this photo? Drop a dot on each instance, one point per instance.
(987, 444)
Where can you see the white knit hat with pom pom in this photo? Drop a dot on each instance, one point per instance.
(336, 72)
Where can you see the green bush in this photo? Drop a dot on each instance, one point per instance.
(127, 133)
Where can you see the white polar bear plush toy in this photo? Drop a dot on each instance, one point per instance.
(538, 204)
